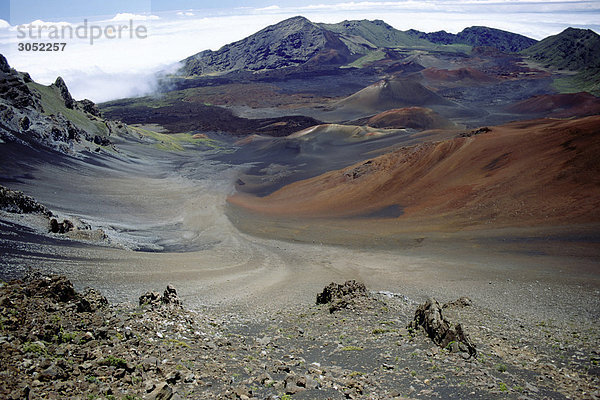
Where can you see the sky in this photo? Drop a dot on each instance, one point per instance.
(157, 34)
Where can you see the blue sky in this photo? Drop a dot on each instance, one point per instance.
(109, 69)
(23, 11)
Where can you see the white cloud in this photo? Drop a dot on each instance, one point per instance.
(4, 24)
(269, 8)
(39, 22)
(136, 17)
(185, 13)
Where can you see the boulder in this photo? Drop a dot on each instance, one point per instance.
(341, 296)
(89, 107)
(428, 316)
(162, 392)
(150, 298)
(168, 298)
(461, 302)
(91, 300)
(61, 227)
(57, 288)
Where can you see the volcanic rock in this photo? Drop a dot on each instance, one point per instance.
(64, 92)
(155, 299)
(429, 317)
(17, 202)
(341, 296)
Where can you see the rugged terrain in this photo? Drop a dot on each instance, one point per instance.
(353, 344)
(461, 167)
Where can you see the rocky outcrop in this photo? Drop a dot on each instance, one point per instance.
(4, 67)
(339, 296)
(155, 299)
(89, 107)
(14, 203)
(64, 92)
(17, 202)
(14, 90)
(58, 343)
(443, 333)
(61, 227)
(69, 128)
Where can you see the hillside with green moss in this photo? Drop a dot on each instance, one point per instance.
(572, 49)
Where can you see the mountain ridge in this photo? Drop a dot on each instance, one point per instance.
(297, 42)
(479, 36)
(572, 49)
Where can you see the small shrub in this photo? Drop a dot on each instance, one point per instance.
(351, 348)
(114, 361)
(29, 347)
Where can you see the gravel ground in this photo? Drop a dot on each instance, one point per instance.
(57, 343)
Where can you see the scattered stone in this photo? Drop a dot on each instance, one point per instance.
(90, 301)
(69, 348)
(162, 392)
(475, 132)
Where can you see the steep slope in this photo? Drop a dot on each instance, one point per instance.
(572, 49)
(289, 43)
(377, 33)
(521, 174)
(418, 118)
(47, 115)
(391, 93)
(558, 105)
(479, 36)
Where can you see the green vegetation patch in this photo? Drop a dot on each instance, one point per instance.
(585, 81)
(352, 348)
(53, 103)
(373, 56)
(176, 141)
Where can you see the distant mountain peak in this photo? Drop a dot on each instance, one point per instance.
(479, 36)
(289, 43)
(573, 49)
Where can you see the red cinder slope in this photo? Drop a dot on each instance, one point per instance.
(520, 174)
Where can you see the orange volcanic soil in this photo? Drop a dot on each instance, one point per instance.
(419, 118)
(521, 174)
(559, 105)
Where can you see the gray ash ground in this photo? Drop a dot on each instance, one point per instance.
(57, 343)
